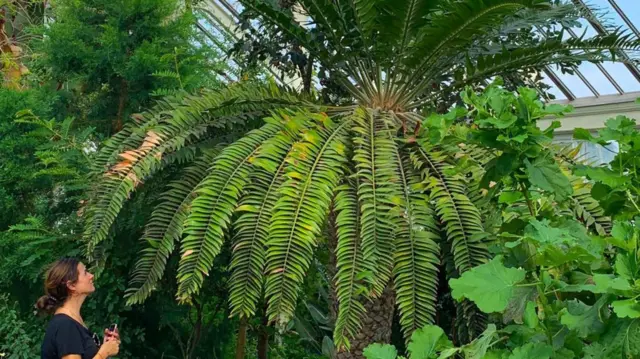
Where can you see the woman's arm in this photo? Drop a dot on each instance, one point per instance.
(104, 352)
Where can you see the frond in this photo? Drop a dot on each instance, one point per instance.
(313, 170)
(459, 24)
(376, 168)
(221, 109)
(349, 278)
(165, 228)
(211, 210)
(137, 152)
(417, 254)
(460, 218)
(251, 227)
(550, 52)
(116, 186)
(587, 210)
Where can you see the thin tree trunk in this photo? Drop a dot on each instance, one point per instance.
(376, 326)
(242, 339)
(263, 337)
(197, 331)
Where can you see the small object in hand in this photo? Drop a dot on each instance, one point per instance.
(113, 330)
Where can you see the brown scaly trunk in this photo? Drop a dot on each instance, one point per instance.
(242, 339)
(263, 337)
(376, 326)
(117, 126)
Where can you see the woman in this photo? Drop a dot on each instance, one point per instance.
(66, 286)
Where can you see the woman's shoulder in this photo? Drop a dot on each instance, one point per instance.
(61, 322)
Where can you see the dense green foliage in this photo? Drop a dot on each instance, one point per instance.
(560, 285)
(399, 203)
(291, 211)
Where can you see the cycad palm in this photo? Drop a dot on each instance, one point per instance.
(396, 205)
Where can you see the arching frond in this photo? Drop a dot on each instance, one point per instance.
(213, 207)
(164, 229)
(351, 270)
(417, 255)
(460, 218)
(252, 226)
(313, 171)
(166, 129)
(460, 23)
(378, 188)
(122, 179)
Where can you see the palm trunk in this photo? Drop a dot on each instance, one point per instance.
(263, 337)
(242, 339)
(376, 326)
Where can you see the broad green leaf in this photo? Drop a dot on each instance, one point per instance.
(582, 134)
(532, 351)
(602, 174)
(544, 173)
(516, 307)
(380, 351)
(622, 338)
(629, 308)
(627, 266)
(427, 342)
(448, 353)
(509, 197)
(478, 348)
(583, 319)
(595, 351)
(605, 283)
(530, 315)
(490, 285)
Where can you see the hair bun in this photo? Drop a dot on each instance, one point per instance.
(47, 304)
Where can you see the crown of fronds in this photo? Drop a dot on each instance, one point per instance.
(399, 206)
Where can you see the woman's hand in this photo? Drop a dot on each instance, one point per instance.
(108, 335)
(110, 347)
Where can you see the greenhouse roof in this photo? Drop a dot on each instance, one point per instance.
(605, 82)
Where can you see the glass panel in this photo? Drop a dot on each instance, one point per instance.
(574, 84)
(554, 90)
(593, 153)
(622, 75)
(597, 79)
(611, 16)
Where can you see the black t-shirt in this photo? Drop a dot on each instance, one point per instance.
(65, 336)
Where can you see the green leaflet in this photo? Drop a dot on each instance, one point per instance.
(491, 285)
(417, 255)
(314, 167)
(211, 211)
(584, 319)
(545, 174)
(165, 229)
(350, 266)
(251, 227)
(377, 171)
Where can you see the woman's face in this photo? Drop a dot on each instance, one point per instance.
(84, 285)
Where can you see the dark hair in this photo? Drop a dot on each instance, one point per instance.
(61, 272)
